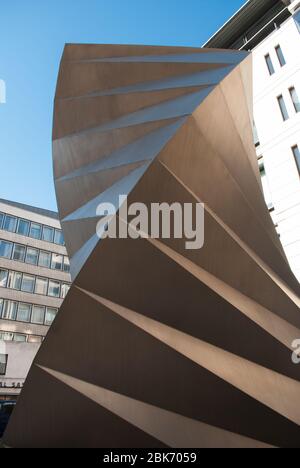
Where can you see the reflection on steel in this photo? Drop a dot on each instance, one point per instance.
(156, 345)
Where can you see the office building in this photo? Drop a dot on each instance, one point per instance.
(34, 279)
(270, 29)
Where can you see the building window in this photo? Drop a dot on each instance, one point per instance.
(3, 278)
(10, 223)
(24, 312)
(5, 249)
(280, 56)
(28, 283)
(41, 286)
(23, 227)
(19, 253)
(64, 290)
(56, 262)
(38, 315)
(35, 231)
(14, 280)
(48, 234)
(296, 153)
(32, 256)
(20, 338)
(9, 311)
(44, 259)
(295, 99)
(6, 336)
(66, 265)
(34, 339)
(50, 315)
(58, 237)
(1, 219)
(283, 108)
(269, 64)
(3, 363)
(54, 288)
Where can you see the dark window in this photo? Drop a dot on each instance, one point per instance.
(269, 64)
(296, 153)
(3, 278)
(35, 231)
(3, 363)
(1, 219)
(283, 108)
(5, 249)
(32, 256)
(295, 98)
(58, 237)
(280, 56)
(10, 223)
(19, 253)
(48, 234)
(23, 227)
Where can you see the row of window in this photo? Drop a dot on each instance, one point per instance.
(280, 57)
(20, 337)
(31, 229)
(32, 256)
(33, 284)
(295, 101)
(29, 313)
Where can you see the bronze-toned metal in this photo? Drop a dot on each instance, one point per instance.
(156, 345)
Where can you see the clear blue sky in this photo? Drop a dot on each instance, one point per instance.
(32, 37)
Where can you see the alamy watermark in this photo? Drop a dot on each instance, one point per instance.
(296, 353)
(157, 221)
(2, 92)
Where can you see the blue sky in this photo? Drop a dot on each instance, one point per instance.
(32, 37)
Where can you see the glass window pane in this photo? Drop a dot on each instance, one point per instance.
(296, 153)
(9, 311)
(34, 339)
(269, 64)
(66, 264)
(54, 288)
(41, 286)
(295, 99)
(19, 253)
(44, 259)
(6, 336)
(14, 280)
(28, 283)
(3, 278)
(283, 108)
(35, 231)
(23, 227)
(3, 362)
(59, 238)
(38, 314)
(56, 262)
(1, 306)
(50, 315)
(5, 249)
(32, 256)
(64, 290)
(24, 312)
(10, 223)
(280, 55)
(19, 338)
(48, 234)
(1, 219)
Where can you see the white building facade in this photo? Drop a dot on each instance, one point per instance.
(273, 36)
